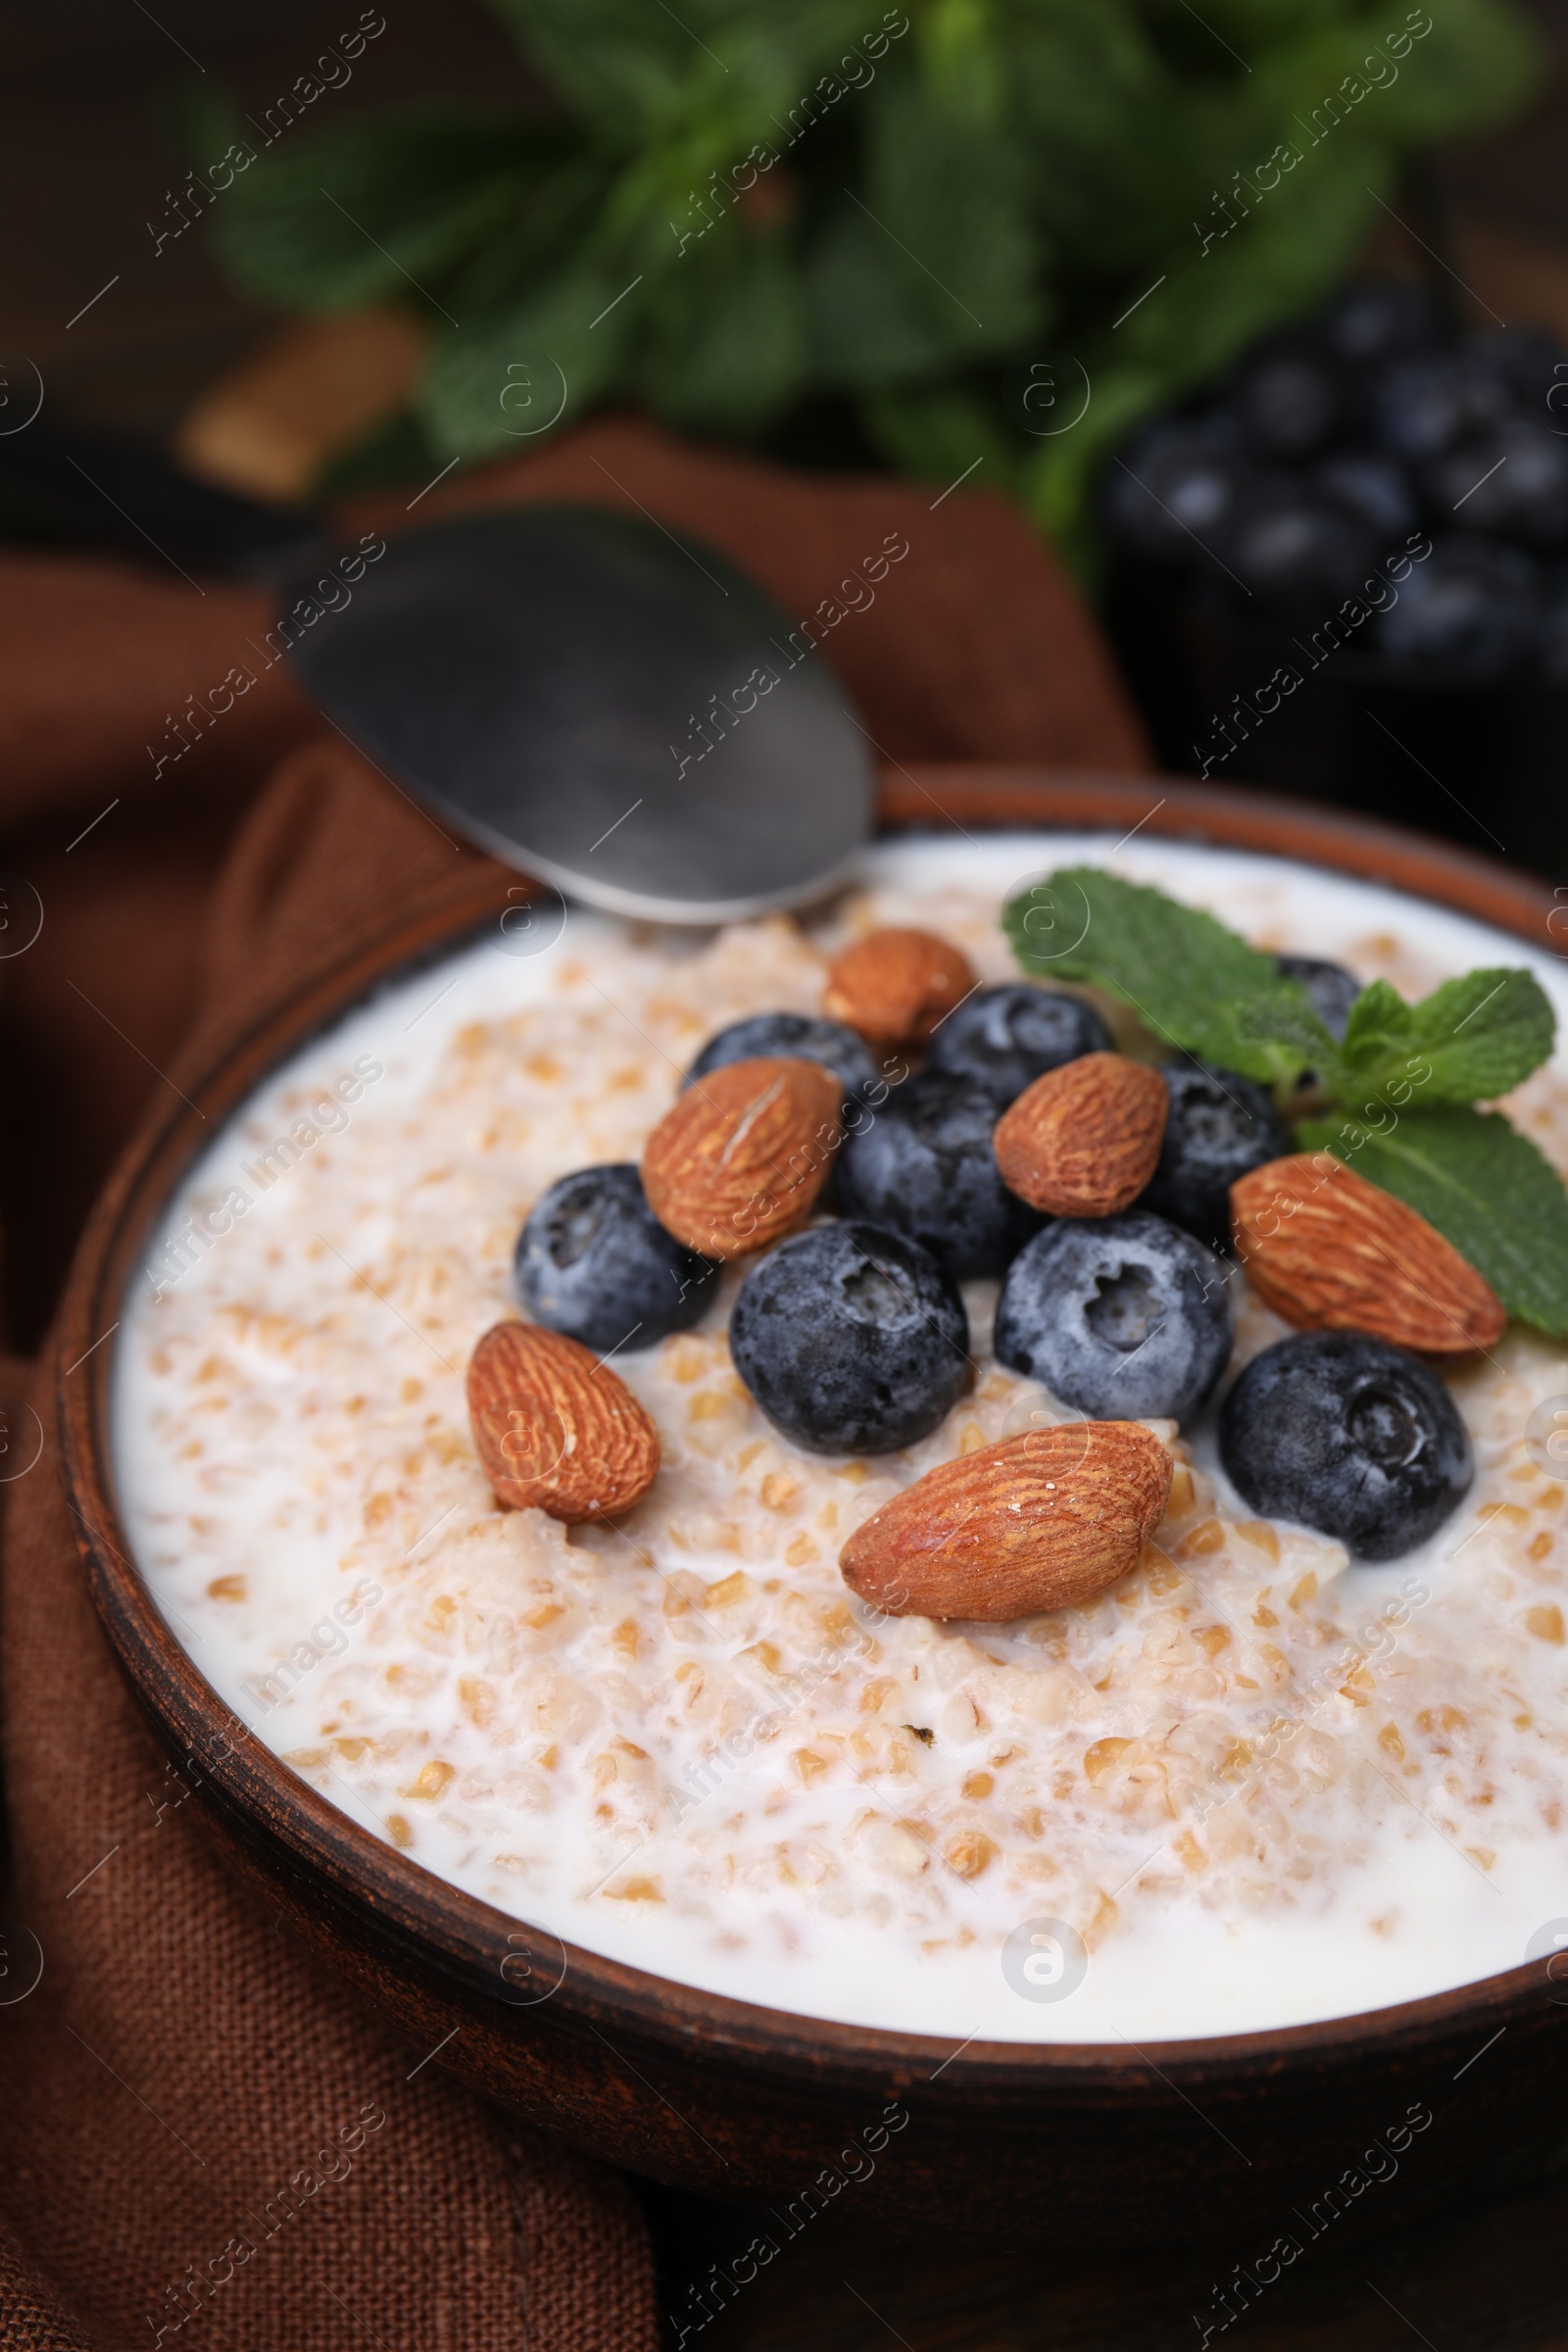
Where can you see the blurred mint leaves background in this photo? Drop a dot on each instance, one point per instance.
(955, 189)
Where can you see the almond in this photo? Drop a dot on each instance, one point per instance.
(1037, 1522)
(1084, 1139)
(740, 1157)
(1329, 1252)
(894, 985)
(556, 1428)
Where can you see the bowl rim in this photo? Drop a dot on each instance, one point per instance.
(466, 1938)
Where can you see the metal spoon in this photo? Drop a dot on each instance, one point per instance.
(619, 712)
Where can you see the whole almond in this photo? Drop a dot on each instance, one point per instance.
(740, 1157)
(1038, 1522)
(1330, 1252)
(556, 1428)
(1084, 1139)
(894, 985)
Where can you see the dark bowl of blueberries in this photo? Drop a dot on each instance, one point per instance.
(1343, 571)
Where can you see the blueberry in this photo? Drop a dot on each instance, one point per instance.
(1005, 1037)
(1372, 485)
(1175, 483)
(1530, 363)
(1347, 1435)
(594, 1262)
(839, 1049)
(1473, 607)
(1289, 395)
(852, 1339)
(1424, 406)
(1512, 481)
(1124, 1317)
(1383, 319)
(1219, 1127)
(1332, 989)
(1297, 551)
(923, 1166)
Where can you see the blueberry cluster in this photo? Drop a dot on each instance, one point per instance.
(852, 1335)
(1373, 455)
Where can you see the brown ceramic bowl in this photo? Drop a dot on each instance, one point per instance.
(1098, 2147)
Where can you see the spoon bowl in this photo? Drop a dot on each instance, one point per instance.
(616, 712)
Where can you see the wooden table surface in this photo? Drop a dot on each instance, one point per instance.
(1491, 2277)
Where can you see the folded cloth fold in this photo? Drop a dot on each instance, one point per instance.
(206, 2140)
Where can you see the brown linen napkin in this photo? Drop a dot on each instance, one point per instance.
(207, 2141)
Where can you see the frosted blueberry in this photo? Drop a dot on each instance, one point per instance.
(851, 1341)
(1221, 1127)
(1006, 1036)
(1126, 1317)
(594, 1262)
(925, 1166)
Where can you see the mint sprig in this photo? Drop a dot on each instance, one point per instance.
(1398, 1095)
(1190, 981)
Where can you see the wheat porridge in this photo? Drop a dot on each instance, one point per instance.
(1263, 1783)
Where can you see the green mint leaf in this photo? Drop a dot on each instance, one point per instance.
(956, 192)
(1472, 1039)
(617, 64)
(1483, 1034)
(347, 212)
(867, 326)
(1482, 1185)
(510, 375)
(727, 349)
(1378, 1029)
(1190, 980)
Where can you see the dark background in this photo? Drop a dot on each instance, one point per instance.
(86, 159)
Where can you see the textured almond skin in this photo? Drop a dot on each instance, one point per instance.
(557, 1429)
(1084, 1139)
(894, 985)
(1039, 1522)
(740, 1157)
(1329, 1252)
